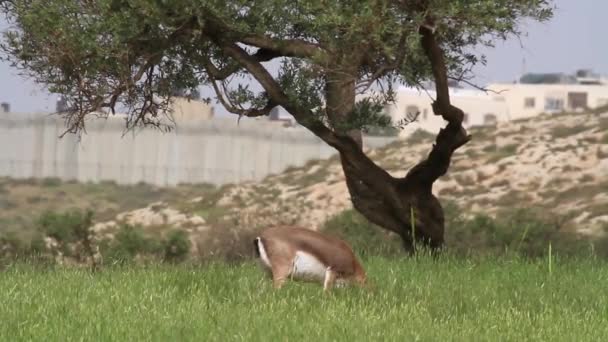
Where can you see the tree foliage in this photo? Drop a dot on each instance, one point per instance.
(137, 52)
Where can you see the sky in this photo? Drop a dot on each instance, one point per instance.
(574, 39)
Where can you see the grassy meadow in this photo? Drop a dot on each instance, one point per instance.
(496, 282)
(419, 299)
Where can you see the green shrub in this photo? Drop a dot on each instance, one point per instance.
(176, 246)
(11, 245)
(228, 243)
(562, 131)
(524, 232)
(16, 247)
(51, 182)
(37, 245)
(128, 242)
(378, 131)
(69, 229)
(7, 204)
(66, 227)
(419, 136)
(366, 238)
(521, 231)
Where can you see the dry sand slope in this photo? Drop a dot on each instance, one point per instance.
(558, 163)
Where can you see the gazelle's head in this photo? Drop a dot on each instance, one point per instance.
(361, 279)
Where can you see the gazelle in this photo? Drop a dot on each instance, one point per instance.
(304, 254)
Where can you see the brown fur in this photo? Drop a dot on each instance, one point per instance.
(282, 243)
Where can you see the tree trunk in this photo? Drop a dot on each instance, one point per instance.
(405, 205)
(405, 202)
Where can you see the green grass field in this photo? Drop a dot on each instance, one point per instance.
(413, 300)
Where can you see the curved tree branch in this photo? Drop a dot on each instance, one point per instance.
(453, 135)
(368, 171)
(284, 47)
(262, 55)
(213, 72)
(273, 46)
(248, 112)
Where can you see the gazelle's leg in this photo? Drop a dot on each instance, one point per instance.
(330, 278)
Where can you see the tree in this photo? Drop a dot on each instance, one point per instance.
(104, 53)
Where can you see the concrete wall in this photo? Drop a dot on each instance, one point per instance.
(212, 151)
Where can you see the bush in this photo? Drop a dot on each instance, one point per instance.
(51, 182)
(523, 231)
(72, 232)
(7, 204)
(176, 246)
(11, 245)
(66, 227)
(378, 131)
(562, 131)
(15, 247)
(128, 243)
(232, 245)
(419, 136)
(366, 238)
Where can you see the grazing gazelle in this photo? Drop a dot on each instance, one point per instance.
(303, 254)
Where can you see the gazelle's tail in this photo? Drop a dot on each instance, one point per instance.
(260, 251)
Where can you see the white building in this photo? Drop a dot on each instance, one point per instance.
(533, 95)
(184, 109)
(552, 93)
(480, 108)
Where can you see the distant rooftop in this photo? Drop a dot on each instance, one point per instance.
(454, 91)
(582, 76)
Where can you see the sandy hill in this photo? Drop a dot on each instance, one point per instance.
(558, 163)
